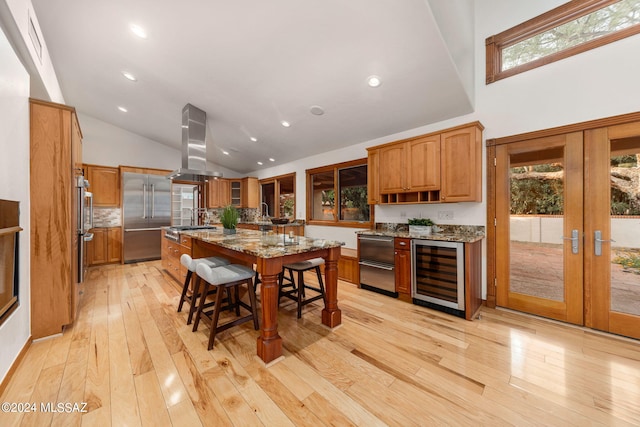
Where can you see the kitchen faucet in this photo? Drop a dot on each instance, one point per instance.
(267, 209)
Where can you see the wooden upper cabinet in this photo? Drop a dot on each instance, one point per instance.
(105, 185)
(392, 167)
(439, 167)
(250, 193)
(373, 172)
(461, 151)
(218, 193)
(423, 172)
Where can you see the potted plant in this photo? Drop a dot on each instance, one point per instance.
(420, 226)
(229, 219)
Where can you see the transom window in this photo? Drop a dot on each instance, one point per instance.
(337, 195)
(572, 28)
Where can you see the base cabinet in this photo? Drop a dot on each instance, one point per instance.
(171, 253)
(106, 246)
(402, 257)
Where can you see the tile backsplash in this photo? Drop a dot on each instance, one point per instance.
(107, 217)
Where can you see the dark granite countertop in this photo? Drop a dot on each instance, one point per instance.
(261, 245)
(447, 233)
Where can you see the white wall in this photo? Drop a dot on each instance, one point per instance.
(15, 15)
(108, 145)
(14, 185)
(595, 84)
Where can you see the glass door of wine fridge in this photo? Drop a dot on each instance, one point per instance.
(438, 275)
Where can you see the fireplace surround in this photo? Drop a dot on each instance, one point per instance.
(9, 257)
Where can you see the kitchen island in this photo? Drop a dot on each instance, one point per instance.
(250, 247)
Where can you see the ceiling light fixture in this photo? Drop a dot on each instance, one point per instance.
(138, 31)
(226, 153)
(374, 81)
(124, 110)
(129, 76)
(271, 159)
(285, 123)
(254, 139)
(260, 163)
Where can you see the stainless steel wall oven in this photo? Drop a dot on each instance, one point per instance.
(438, 275)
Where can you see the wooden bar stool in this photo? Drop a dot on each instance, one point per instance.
(191, 265)
(226, 277)
(296, 293)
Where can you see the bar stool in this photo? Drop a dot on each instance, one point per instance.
(191, 265)
(226, 277)
(297, 291)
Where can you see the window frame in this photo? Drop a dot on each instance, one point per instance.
(275, 180)
(336, 222)
(541, 23)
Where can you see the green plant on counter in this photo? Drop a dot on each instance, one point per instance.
(229, 217)
(420, 221)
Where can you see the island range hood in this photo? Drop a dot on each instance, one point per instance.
(194, 148)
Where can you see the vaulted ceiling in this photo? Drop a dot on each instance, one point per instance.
(250, 64)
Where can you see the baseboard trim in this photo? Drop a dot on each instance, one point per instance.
(5, 381)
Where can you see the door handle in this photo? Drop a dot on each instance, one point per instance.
(144, 201)
(574, 241)
(597, 247)
(153, 200)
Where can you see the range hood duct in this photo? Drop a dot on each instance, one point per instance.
(194, 148)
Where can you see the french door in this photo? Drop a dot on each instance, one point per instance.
(568, 227)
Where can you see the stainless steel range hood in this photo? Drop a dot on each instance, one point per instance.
(194, 147)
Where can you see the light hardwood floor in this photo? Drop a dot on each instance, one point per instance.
(133, 360)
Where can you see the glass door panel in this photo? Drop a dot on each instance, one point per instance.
(539, 227)
(536, 224)
(624, 218)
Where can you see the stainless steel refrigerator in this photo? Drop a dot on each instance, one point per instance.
(146, 208)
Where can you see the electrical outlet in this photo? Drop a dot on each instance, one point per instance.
(403, 214)
(446, 215)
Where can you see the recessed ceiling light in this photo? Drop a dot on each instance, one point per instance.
(260, 163)
(374, 81)
(124, 110)
(129, 76)
(226, 153)
(254, 139)
(138, 31)
(316, 110)
(271, 159)
(285, 123)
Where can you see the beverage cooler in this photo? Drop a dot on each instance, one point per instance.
(437, 279)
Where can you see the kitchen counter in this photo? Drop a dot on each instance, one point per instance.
(253, 242)
(446, 236)
(249, 247)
